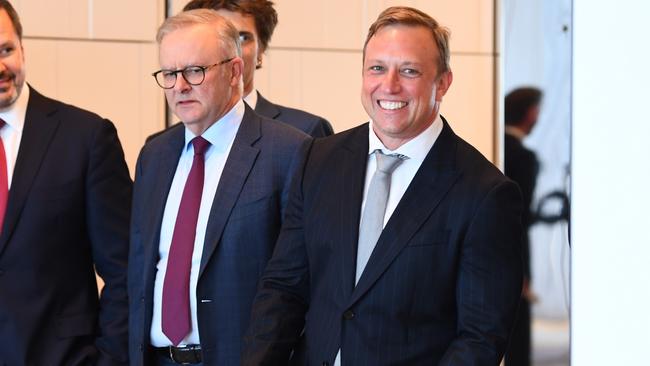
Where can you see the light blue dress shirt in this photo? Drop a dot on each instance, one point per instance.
(221, 136)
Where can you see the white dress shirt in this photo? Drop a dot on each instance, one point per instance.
(415, 150)
(12, 132)
(251, 99)
(221, 136)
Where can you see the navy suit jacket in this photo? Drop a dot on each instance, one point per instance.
(68, 209)
(308, 123)
(440, 288)
(244, 223)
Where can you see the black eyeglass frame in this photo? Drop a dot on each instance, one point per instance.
(184, 70)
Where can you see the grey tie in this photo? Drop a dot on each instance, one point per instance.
(372, 221)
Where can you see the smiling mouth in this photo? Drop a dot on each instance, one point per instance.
(391, 105)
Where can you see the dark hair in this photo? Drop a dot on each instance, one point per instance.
(266, 18)
(518, 102)
(403, 15)
(6, 5)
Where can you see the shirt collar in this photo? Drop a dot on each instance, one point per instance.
(417, 148)
(14, 115)
(251, 99)
(222, 133)
(515, 132)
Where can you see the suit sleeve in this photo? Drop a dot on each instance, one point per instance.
(322, 128)
(108, 201)
(282, 298)
(489, 280)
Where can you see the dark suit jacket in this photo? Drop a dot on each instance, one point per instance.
(521, 166)
(310, 124)
(68, 209)
(441, 287)
(244, 223)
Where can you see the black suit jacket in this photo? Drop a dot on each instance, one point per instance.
(68, 209)
(522, 167)
(244, 224)
(440, 288)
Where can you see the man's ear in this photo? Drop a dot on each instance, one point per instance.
(236, 71)
(443, 83)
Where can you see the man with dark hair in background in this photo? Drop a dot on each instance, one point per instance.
(256, 20)
(65, 196)
(521, 111)
(401, 243)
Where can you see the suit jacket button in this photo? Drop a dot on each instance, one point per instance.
(348, 315)
(325, 363)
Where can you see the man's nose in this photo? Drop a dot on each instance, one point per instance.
(181, 85)
(391, 82)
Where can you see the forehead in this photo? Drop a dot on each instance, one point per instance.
(410, 43)
(7, 31)
(189, 44)
(241, 21)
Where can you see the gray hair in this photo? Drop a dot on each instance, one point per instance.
(226, 32)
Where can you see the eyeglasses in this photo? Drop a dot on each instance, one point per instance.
(194, 75)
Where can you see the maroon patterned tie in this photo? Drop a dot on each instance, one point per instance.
(176, 318)
(4, 181)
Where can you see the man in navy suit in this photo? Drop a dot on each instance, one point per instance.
(401, 243)
(255, 21)
(208, 201)
(65, 196)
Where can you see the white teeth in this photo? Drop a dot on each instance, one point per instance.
(390, 105)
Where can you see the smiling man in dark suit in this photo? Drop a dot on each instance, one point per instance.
(65, 196)
(401, 243)
(208, 201)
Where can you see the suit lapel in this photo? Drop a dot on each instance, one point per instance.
(39, 129)
(239, 164)
(266, 108)
(164, 171)
(353, 173)
(431, 183)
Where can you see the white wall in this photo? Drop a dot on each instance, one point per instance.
(611, 175)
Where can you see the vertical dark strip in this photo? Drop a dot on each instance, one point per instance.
(497, 61)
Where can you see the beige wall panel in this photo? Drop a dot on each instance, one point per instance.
(279, 79)
(111, 20)
(469, 103)
(111, 79)
(153, 105)
(471, 21)
(61, 18)
(177, 5)
(41, 65)
(336, 24)
(323, 83)
(334, 87)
